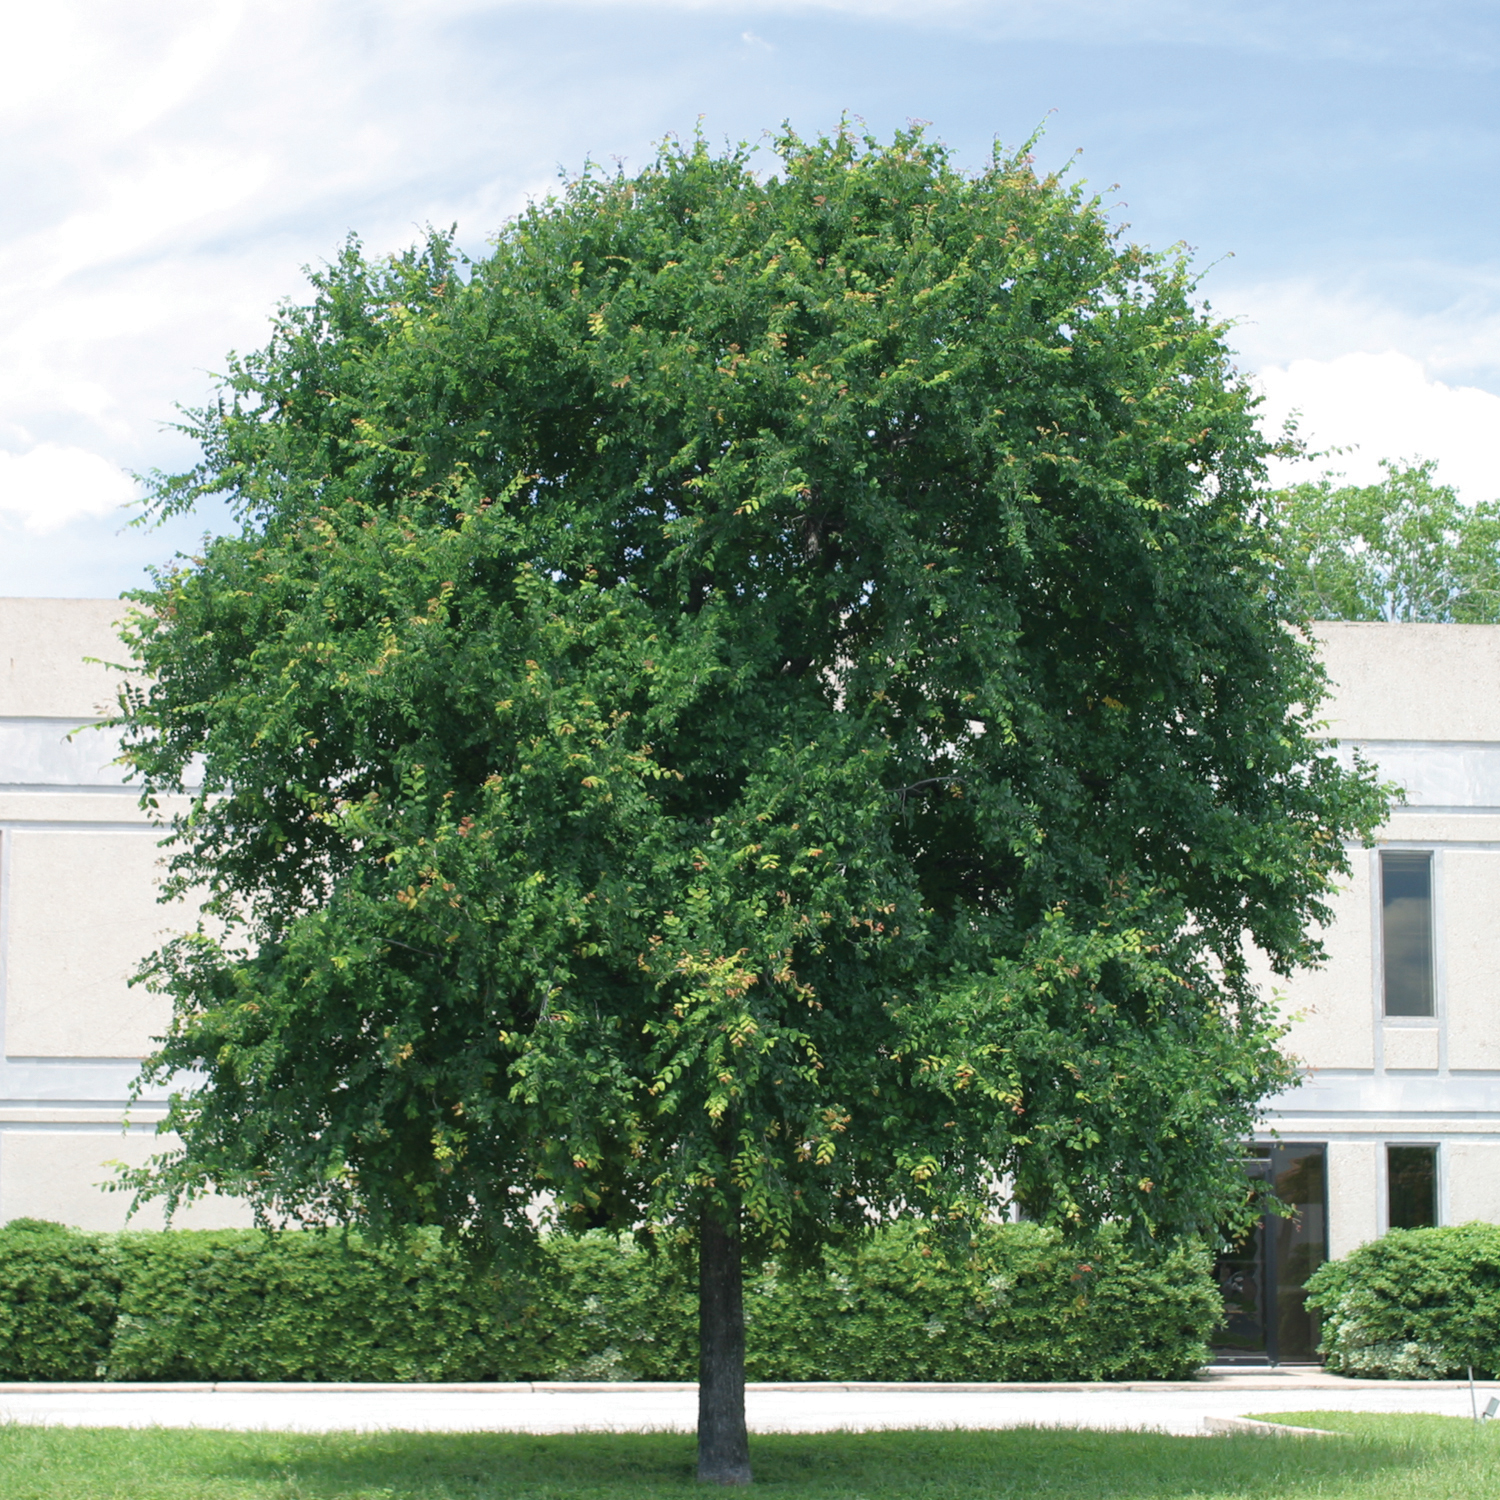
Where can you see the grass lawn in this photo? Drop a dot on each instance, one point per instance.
(1375, 1458)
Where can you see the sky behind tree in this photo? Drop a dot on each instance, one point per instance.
(172, 167)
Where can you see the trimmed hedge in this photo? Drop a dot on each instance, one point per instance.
(59, 1295)
(232, 1305)
(1026, 1305)
(1416, 1304)
(1022, 1304)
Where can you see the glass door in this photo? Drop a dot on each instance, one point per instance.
(1263, 1277)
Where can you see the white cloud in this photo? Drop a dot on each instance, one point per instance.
(168, 172)
(143, 207)
(52, 485)
(1386, 406)
(1454, 329)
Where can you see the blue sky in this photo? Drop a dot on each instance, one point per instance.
(170, 168)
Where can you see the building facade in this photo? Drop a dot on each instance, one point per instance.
(1396, 1119)
(1396, 1122)
(79, 866)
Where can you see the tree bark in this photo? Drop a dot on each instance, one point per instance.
(723, 1444)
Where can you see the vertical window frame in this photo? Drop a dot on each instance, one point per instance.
(1435, 1152)
(1393, 859)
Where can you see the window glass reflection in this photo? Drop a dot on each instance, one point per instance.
(1301, 1246)
(1411, 1181)
(1263, 1277)
(1406, 931)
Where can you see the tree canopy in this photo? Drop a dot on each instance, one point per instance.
(1406, 549)
(757, 707)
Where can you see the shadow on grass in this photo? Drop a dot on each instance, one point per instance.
(1384, 1461)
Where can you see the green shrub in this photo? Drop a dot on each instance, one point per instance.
(58, 1292)
(603, 1309)
(239, 1305)
(1024, 1304)
(242, 1305)
(1021, 1303)
(1416, 1304)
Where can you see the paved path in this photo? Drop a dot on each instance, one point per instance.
(1168, 1407)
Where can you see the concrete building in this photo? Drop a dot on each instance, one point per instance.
(78, 870)
(1397, 1119)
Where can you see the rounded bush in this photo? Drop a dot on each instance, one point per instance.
(1416, 1304)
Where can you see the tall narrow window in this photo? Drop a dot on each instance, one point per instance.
(1411, 1178)
(1406, 907)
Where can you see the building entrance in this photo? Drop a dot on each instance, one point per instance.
(1263, 1277)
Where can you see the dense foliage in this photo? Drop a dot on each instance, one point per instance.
(1406, 549)
(761, 697)
(1020, 1303)
(59, 1295)
(1416, 1304)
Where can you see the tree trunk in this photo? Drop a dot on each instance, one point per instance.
(723, 1445)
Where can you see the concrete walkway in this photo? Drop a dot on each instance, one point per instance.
(1176, 1407)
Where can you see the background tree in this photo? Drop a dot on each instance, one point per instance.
(753, 710)
(1405, 549)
